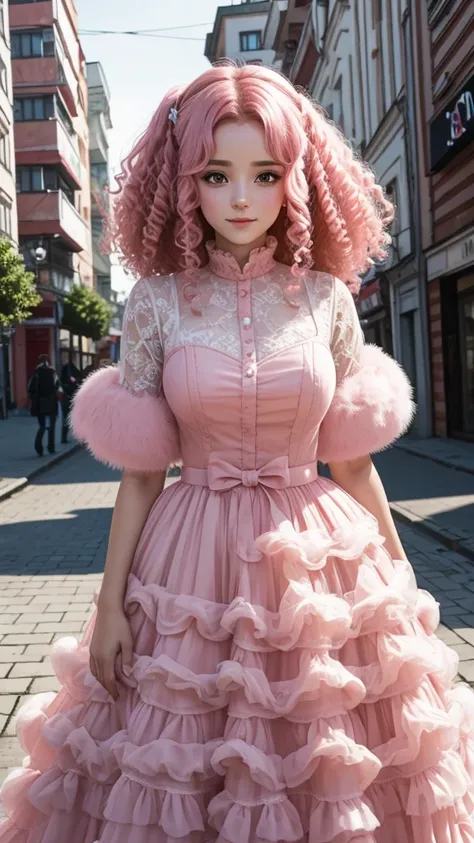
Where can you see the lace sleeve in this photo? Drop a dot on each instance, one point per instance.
(141, 361)
(347, 339)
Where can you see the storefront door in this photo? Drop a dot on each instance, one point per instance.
(466, 336)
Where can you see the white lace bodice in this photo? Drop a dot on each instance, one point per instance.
(160, 316)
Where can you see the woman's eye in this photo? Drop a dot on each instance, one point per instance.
(268, 178)
(215, 178)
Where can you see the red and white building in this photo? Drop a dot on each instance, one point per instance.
(52, 173)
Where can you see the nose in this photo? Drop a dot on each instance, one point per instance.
(240, 204)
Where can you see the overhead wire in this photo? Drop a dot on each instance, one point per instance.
(149, 33)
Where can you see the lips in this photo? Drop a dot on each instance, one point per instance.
(242, 220)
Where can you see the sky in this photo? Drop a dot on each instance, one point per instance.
(139, 70)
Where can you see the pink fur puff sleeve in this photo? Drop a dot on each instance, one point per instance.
(121, 413)
(373, 402)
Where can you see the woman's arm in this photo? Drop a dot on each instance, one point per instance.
(136, 496)
(361, 480)
(112, 636)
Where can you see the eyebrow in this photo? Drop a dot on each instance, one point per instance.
(217, 162)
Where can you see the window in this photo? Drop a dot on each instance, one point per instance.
(63, 115)
(40, 179)
(391, 190)
(33, 43)
(5, 158)
(5, 217)
(33, 108)
(3, 77)
(250, 41)
(36, 179)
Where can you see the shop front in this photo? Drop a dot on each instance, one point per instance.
(451, 297)
(373, 307)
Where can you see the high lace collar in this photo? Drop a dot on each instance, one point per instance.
(224, 264)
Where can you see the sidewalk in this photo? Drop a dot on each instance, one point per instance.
(18, 460)
(430, 485)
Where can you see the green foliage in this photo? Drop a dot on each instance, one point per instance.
(87, 313)
(18, 296)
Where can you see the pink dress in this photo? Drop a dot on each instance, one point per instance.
(287, 684)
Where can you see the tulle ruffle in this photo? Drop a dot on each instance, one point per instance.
(327, 717)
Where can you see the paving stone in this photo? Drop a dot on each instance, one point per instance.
(64, 627)
(43, 617)
(5, 669)
(449, 636)
(45, 683)
(32, 669)
(6, 629)
(8, 654)
(466, 633)
(8, 703)
(464, 651)
(10, 752)
(467, 604)
(31, 638)
(14, 686)
(466, 669)
(35, 652)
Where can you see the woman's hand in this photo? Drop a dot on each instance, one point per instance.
(112, 636)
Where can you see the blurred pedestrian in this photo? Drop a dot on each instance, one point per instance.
(70, 382)
(43, 390)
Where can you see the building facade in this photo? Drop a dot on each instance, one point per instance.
(444, 56)
(52, 173)
(238, 33)
(99, 125)
(352, 59)
(8, 210)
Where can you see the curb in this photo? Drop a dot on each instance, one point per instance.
(20, 482)
(430, 528)
(434, 458)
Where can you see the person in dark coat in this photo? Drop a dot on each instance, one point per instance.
(70, 382)
(43, 390)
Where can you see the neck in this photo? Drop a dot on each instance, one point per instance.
(239, 252)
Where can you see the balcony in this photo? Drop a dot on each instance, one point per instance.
(48, 142)
(50, 73)
(52, 213)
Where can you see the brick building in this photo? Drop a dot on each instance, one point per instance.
(445, 75)
(53, 178)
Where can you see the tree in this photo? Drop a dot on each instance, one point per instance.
(87, 313)
(18, 295)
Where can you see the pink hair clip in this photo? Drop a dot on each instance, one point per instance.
(173, 115)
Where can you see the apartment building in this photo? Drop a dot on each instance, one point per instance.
(8, 213)
(238, 33)
(99, 125)
(52, 172)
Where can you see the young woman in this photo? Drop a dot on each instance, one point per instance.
(261, 666)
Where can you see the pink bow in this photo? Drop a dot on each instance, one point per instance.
(223, 475)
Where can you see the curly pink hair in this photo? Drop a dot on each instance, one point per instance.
(336, 215)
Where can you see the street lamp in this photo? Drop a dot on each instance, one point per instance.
(39, 255)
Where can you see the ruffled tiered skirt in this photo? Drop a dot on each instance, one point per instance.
(302, 697)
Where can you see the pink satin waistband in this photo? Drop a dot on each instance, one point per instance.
(221, 475)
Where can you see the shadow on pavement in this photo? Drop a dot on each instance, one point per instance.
(74, 542)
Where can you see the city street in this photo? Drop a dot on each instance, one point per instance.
(52, 549)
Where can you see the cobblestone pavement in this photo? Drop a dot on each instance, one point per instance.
(53, 538)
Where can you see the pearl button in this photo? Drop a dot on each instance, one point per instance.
(243, 293)
(246, 321)
(250, 371)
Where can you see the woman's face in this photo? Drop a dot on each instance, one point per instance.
(242, 188)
